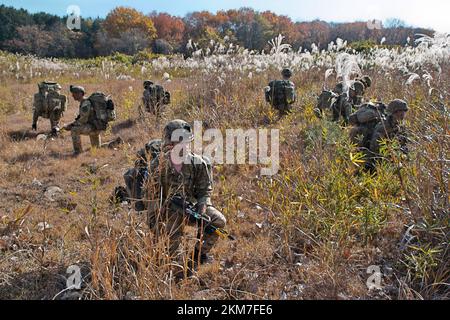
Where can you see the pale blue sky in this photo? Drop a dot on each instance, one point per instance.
(429, 13)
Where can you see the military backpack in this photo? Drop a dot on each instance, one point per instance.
(49, 100)
(326, 100)
(368, 113)
(281, 93)
(158, 94)
(104, 110)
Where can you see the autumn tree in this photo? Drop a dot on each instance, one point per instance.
(122, 19)
(125, 30)
(202, 27)
(317, 32)
(282, 25)
(168, 28)
(129, 31)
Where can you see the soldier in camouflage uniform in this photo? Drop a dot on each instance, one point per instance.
(188, 176)
(344, 104)
(391, 128)
(154, 97)
(147, 97)
(324, 102)
(365, 80)
(281, 93)
(135, 178)
(364, 121)
(83, 124)
(53, 115)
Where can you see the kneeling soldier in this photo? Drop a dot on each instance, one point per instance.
(85, 123)
(185, 175)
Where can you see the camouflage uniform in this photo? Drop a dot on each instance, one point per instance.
(364, 122)
(366, 81)
(285, 107)
(193, 182)
(54, 115)
(135, 178)
(147, 101)
(154, 97)
(342, 107)
(84, 125)
(389, 129)
(344, 104)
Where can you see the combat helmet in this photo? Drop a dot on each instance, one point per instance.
(396, 106)
(177, 129)
(74, 89)
(286, 73)
(358, 88)
(367, 81)
(147, 83)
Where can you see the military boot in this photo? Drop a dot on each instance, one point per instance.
(77, 147)
(95, 140)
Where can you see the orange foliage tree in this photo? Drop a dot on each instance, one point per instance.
(168, 27)
(122, 20)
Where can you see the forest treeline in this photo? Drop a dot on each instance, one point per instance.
(126, 30)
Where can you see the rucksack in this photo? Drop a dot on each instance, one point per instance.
(104, 110)
(153, 148)
(49, 100)
(326, 100)
(281, 92)
(368, 113)
(158, 94)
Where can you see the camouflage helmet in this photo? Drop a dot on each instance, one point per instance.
(74, 89)
(147, 83)
(358, 87)
(367, 81)
(286, 73)
(183, 130)
(396, 106)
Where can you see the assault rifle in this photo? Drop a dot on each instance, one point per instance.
(195, 217)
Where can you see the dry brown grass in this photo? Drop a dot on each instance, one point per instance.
(323, 225)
